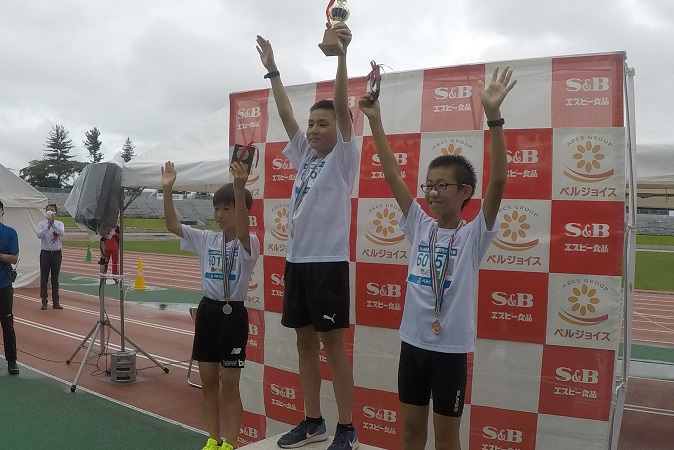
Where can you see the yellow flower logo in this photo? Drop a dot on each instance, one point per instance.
(385, 222)
(583, 300)
(588, 156)
(514, 226)
(451, 150)
(281, 220)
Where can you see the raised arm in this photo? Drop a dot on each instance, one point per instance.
(388, 161)
(285, 110)
(168, 177)
(491, 97)
(341, 95)
(240, 174)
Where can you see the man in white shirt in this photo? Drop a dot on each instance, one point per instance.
(50, 231)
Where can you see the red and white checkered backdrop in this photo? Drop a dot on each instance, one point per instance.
(548, 308)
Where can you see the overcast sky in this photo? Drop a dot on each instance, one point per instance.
(150, 69)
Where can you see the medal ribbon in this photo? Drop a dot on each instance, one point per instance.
(327, 14)
(304, 187)
(228, 263)
(439, 273)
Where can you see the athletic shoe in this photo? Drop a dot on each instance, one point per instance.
(212, 444)
(12, 368)
(303, 434)
(344, 440)
(57, 306)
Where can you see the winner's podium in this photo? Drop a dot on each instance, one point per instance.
(270, 444)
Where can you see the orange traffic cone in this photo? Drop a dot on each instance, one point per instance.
(140, 278)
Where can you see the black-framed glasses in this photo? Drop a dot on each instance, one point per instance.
(439, 187)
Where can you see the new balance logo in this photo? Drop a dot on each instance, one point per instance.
(236, 351)
(332, 319)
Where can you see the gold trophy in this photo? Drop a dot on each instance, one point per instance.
(336, 12)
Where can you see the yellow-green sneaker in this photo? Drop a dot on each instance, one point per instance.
(212, 444)
(226, 446)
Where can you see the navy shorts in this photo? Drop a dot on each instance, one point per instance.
(220, 337)
(316, 294)
(424, 372)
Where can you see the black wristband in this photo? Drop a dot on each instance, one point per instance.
(496, 122)
(273, 74)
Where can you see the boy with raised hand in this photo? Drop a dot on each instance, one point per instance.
(442, 271)
(317, 300)
(226, 259)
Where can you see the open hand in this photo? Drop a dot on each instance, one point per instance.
(168, 176)
(266, 53)
(492, 96)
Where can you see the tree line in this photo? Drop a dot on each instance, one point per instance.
(58, 169)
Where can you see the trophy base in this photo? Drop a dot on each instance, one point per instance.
(331, 45)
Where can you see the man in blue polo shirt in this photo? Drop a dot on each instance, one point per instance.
(9, 254)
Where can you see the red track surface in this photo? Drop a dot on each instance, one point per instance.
(47, 338)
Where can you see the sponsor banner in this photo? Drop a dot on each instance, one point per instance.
(276, 229)
(568, 432)
(252, 394)
(380, 291)
(248, 117)
(380, 239)
(283, 397)
(584, 311)
(506, 375)
(586, 239)
(589, 164)
(522, 243)
(357, 86)
(465, 143)
(274, 285)
(510, 310)
(255, 347)
(469, 381)
(577, 382)
(256, 177)
(280, 344)
(255, 297)
(377, 417)
(160, 196)
(280, 176)
(375, 359)
(256, 221)
(401, 103)
(302, 97)
(529, 156)
(587, 91)
(406, 150)
(253, 427)
(501, 429)
(451, 99)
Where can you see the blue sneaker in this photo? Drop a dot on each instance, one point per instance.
(344, 440)
(303, 434)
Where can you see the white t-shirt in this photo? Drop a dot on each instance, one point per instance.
(207, 244)
(471, 243)
(322, 221)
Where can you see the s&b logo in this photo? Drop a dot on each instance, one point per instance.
(385, 415)
(284, 392)
(401, 158)
(253, 330)
(249, 113)
(519, 299)
(249, 431)
(503, 435)
(277, 280)
(594, 84)
(385, 290)
(443, 93)
(592, 230)
(529, 156)
(585, 376)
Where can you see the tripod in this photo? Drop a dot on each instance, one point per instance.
(103, 321)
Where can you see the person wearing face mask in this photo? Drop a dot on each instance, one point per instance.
(49, 232)
(9, 254)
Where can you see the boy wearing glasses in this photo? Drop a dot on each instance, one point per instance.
(437, 330)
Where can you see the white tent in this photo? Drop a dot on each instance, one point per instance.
(200, 154)
(24, 208)
(655, 175)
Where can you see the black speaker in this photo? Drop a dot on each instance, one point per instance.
(94, 201)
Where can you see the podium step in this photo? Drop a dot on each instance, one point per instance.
(270, 444)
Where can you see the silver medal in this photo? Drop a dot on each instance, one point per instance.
(227, 309)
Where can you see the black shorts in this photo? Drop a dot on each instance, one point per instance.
(424, 372)
(220, 337)
(316, 294)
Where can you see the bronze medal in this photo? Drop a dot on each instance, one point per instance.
(436, 327)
